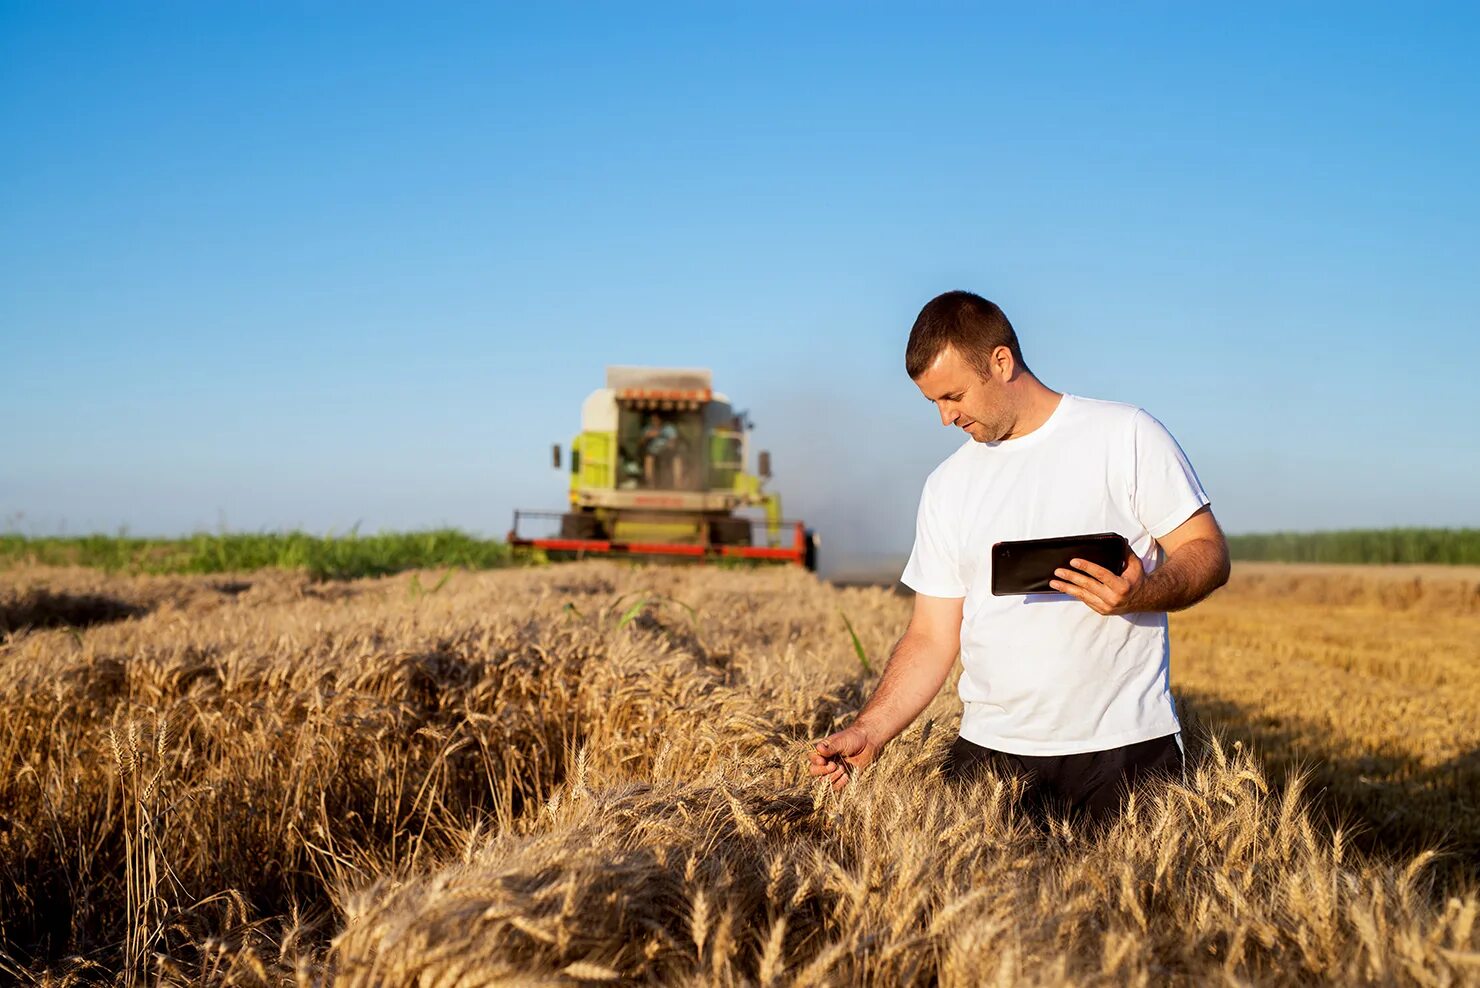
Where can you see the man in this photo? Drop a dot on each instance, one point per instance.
(1069, 690)
(659, 449)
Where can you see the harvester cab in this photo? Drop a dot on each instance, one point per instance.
(659, 469)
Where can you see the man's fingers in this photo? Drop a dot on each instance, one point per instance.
(1099, 573)
(836, 757)
(831, 769)
(836, 772)
(1074, 576)
(826, 765)
(846, 743)
(1069, 579)
(1067, 588)
(1109, 594)
(1095, 570)
(1090, 600)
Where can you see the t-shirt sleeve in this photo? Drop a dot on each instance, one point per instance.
(1167, 490)
(934, 568)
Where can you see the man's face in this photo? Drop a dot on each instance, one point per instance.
(978, 407)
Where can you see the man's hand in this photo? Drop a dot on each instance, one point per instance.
(918, 666)
(1099, 588)
(1196, 564)
(838, 755)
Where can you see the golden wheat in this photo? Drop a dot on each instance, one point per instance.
(1369, 679)
(591, 774)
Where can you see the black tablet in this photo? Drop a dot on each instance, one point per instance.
(1028, 565)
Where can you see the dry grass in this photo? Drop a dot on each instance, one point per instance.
(591, 774)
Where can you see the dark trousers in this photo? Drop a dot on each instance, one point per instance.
(1088, 786)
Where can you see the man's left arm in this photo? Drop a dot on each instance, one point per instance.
(1196, 564)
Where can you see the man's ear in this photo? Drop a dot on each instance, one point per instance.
(1004, 367)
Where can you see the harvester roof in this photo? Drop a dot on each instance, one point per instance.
(660, 387)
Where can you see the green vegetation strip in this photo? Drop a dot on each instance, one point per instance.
(1446, 546)
(350, 556)
(324, 557)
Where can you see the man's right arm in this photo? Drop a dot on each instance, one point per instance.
(918, 667)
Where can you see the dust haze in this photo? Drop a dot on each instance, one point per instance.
(852, 466)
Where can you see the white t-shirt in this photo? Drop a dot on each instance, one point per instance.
(1043, 674)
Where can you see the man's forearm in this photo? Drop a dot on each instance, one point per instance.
(1188, 575)
(917, 669)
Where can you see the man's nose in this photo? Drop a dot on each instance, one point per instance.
(947, 415)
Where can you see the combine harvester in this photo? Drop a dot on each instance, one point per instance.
(659, 470)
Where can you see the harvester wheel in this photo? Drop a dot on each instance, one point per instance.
(809, 554)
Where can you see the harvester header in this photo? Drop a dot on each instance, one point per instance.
(659, 468)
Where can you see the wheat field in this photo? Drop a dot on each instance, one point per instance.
(592, 774)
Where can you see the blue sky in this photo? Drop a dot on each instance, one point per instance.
(309, 265)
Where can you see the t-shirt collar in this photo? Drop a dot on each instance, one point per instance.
(1037, 435)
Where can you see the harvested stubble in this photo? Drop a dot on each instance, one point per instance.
(592, 773)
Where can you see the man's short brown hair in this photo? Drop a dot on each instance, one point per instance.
(969, 324)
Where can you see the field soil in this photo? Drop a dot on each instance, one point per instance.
(592, 773)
